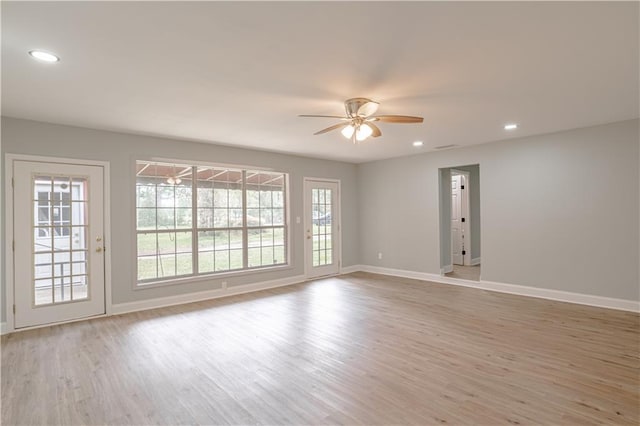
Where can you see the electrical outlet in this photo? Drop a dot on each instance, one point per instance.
(379, 255)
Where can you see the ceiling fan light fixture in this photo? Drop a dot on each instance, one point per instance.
(363, 132)
(347, 132)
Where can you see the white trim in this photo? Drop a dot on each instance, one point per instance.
(446, 269)
(476, 261)
(521, 290)
(9, 325)
(350, 269)
(142, 305)
(3, 328)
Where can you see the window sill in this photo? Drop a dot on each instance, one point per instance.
(209, 277)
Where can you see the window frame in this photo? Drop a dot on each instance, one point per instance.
(195, 276)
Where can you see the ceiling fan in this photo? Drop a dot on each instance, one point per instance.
(359, 123)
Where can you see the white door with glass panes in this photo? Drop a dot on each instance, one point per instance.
(322, 230)
(59, 242)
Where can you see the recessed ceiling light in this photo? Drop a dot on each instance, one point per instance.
(511, 126)
(43, 56)
(418, 143)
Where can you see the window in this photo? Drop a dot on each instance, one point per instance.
(200, 220)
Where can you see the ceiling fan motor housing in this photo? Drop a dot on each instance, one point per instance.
(353, 105)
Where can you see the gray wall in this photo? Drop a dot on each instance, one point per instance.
(445, 212)
(558, 211)
(121, 150)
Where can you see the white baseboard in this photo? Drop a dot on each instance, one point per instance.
(3, 328)
(521, 290)
(476, 261)
(446, 269)
(143, 305)
(350, 269)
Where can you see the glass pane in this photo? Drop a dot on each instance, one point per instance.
(166, 218)
(147, 267)
(253, 217)
(205, 261)
(278, 236)
(62, 289)
(79, 189)
(253, 199)
(221, 218)
(43, 265)
(266, 218)
(146, 195)
(267, 237)
(255, 258)
(235, 198)
(166, 195)
(222, 260)
(235, 218)
(183, 192)
(79, 268)
(278, 255)
(78, 212)
(166, 242)
(42, 189)
(147, 244)
(166, 265)
(221, 240)
(278, 216)
(205, 195)
(183, 217)
(146, 218)
(185, 263)
(205, 240)
(235, 259)
(80, 287)
(221, 197)
(254, 237)
(265, 198)
(205, 218)
(267, 256)
(78, 238)
(235, 239)
(61, 241)
(43, 293)
(184, 243)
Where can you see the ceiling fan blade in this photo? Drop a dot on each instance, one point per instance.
(334, 127)
(325, 116)
(367, 109)
(376, 130)
(397, 119)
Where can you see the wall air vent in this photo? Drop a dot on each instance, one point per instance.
(445, 146)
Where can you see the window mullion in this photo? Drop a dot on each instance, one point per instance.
(194, 220)
(245, 233)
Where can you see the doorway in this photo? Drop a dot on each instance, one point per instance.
(322, 227)
(59, 239)
(460, 222)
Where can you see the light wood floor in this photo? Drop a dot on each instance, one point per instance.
(358, 349)
(466, 272)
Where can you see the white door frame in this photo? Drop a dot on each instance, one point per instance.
(8, 303)
(465, 212)
(306, 225)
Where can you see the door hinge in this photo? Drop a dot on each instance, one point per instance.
(14, 308)
(13, 245)
(463, 219)
(464, 252)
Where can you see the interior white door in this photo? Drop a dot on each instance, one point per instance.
(322, 228)
(457, 234)
(59, 250)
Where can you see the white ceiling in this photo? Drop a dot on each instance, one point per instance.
(240, 73)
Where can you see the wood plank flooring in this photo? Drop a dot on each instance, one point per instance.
(465, 272)
(356, 349)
